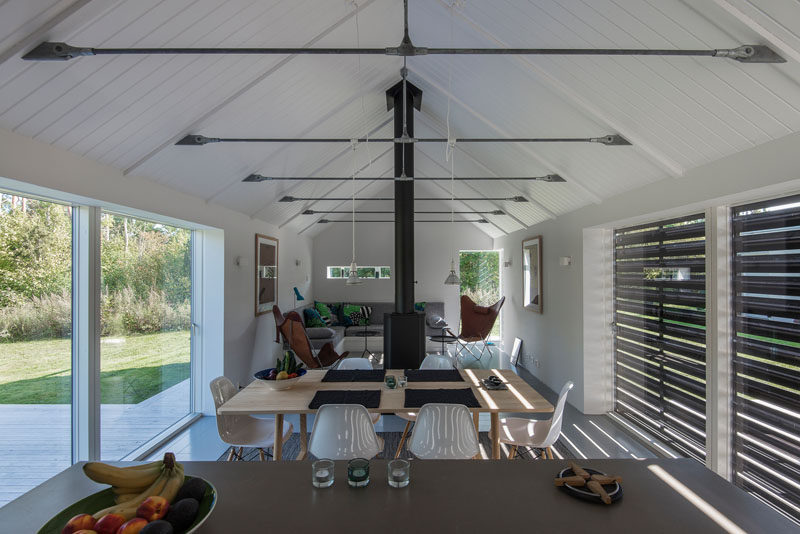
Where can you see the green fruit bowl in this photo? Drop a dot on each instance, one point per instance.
(105, 498)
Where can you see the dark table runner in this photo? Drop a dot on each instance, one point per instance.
(433, 375)
(415, 398)
(354, 375)
(369, 398)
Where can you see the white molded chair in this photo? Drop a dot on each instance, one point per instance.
(444, 432)
(344, 432)
(519, 432)
(243, 430)
(431, 361)
(361, 364)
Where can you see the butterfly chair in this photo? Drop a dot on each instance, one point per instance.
(243, 430)
(293, 331)
(476, 325)
(520, 432)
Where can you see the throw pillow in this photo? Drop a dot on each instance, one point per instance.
(355, 315)
(435, 321)
(328, 312)
(320, 333)
(419, 306)
(313, 318)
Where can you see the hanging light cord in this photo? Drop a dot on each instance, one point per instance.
(354, 144)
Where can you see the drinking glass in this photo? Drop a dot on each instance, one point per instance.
(358, 472)
(402, 381)
(322, 473)
(399, 473)
(390, 381)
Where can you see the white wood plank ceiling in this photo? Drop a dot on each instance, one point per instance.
(128, 111)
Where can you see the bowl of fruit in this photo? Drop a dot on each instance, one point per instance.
(283, 376)
(154, 498)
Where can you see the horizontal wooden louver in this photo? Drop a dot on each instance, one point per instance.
(766, 352)
(660, 330)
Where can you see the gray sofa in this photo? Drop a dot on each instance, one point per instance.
(321, 336)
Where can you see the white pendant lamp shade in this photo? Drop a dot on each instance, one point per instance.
(352, 278)
(452, 278)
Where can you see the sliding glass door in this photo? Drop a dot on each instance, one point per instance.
(35, 346)
(145, 345)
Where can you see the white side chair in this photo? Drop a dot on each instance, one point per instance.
(344, 432)
(519, 432)
(243, 430)
(359, 364)
(444, 432)
(431, 361)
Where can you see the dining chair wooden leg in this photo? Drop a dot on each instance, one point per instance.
(277, 447)
(549, 453)
(402, 439)
(303, 437)
(494, 434)
(230, 454)
(476, 420)
(261, 454)
(544, 454)
(513, 452)
(240, 454)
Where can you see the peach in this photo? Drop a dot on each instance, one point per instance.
(153, 508)
(79, 522)
(84, 531)
(109, 523)
(133, 526)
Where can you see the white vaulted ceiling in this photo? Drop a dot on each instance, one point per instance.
(128, 111)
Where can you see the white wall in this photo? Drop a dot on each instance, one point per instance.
(555, 338)
(434, 244)
(40, 164)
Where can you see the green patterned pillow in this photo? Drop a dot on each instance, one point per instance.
(355, 315)
(419, 306)
(313, 318)
(328, 312)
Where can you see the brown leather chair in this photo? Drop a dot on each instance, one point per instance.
(476, 325)
(294, 333)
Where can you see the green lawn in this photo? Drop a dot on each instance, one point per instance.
(134, 368)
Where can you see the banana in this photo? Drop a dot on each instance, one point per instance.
(125, 497)
(128, 508)
(173, 484)
(121, 476)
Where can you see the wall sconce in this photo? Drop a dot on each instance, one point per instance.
(565, 261)
(507, 264)
(240, 262)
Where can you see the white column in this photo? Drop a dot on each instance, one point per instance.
(86, 333)
(718, 341)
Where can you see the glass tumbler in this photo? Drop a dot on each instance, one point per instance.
(322, 473)
(399, 473)
(358, 472)
(402, 381)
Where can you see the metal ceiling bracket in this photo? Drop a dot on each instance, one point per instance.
(49, 51)
(198, 140)
(750, 54)
(611, 140)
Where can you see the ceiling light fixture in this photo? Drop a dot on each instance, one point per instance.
(368, 212)
(478, 221)
(261, 178)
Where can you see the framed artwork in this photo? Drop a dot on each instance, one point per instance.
(532, 274)
(266, 273)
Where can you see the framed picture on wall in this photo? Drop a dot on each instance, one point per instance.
(266, 273)
(532, 274)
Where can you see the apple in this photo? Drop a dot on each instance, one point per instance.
(153, 508)
(133, 526)
(109, 524)
(84, 531)
(79, 522)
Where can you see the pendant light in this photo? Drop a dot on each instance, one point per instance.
(352, 277)
(452, 278)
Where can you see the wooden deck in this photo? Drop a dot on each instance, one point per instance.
(35, 440)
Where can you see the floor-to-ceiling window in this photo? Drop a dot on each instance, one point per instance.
(479, 271)
(660, 333)
(766, 351)
(35, 342)
(145, 345)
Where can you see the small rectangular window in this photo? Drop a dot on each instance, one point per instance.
(364, 272)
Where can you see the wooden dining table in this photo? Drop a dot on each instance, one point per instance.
(259, 399)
